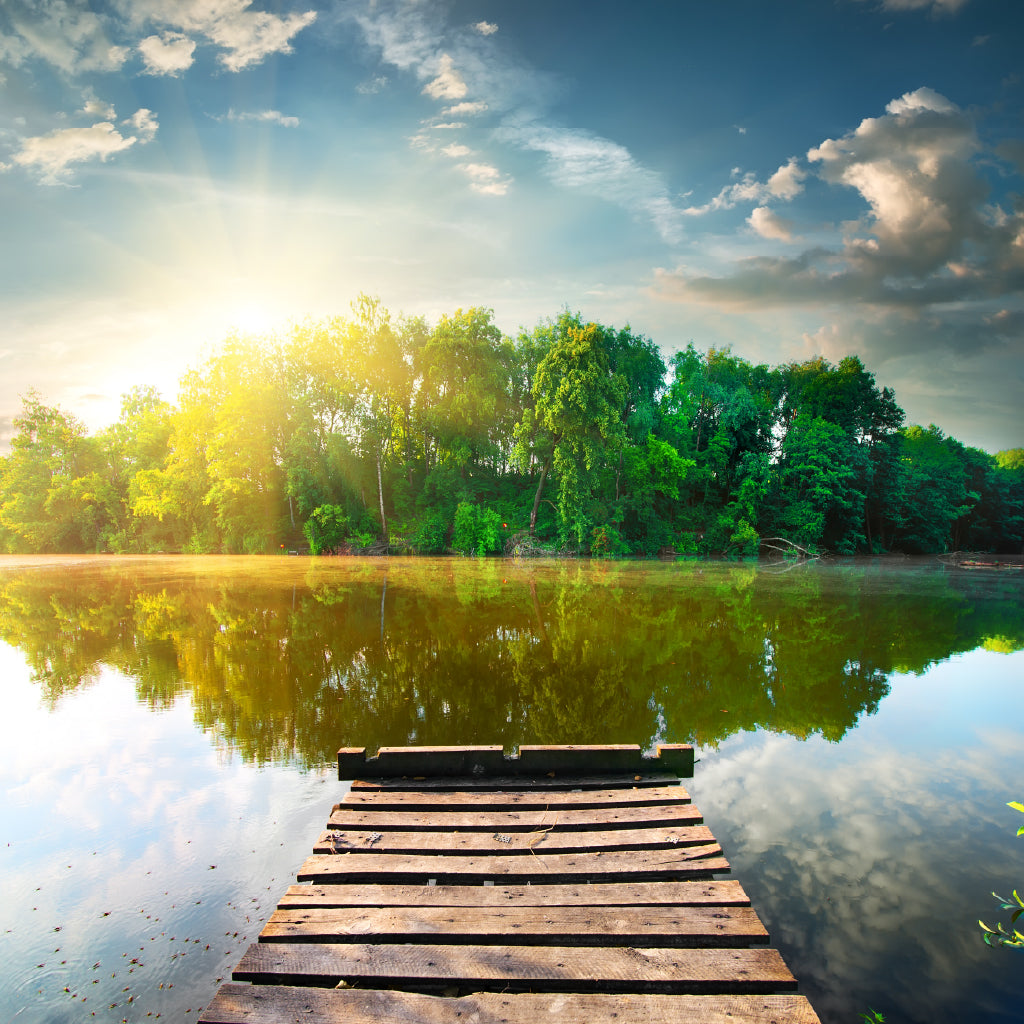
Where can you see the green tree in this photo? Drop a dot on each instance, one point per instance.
(381, 363)
(1012, 458)
(137, 442)
(817, 500)
(245, 450)
(172, 498)
(654, 476)
(721, 411)
(54, 495)
(576, 422)
(464, 398)
(931, 493)
(318, 458)
(847, 396)
(477, 529)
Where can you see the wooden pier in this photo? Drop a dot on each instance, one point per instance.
(454, 884)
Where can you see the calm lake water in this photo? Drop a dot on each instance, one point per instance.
(172, 722)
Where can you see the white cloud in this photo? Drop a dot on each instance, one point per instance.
(938, 6)
(920, 99)
(266, 116)
(423, 141)
(68, 37)
(932, 266)
(468, 109)
(144, 122)
(449, 84)
(53, 155)
(452, 61)
(601, 168)
(14, 50)
(95, 107)
(415, 38)
(246, 36)
(167, 54)
(786, 183)
(251, 36)
(404, 33)
(491, 188)
(372, 86)
(481, 172)
(486, 28)
(78, 40)
(913, 168)
(456, 151)
(770, 225)
(486, 179)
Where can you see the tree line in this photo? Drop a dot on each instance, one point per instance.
(381, 432)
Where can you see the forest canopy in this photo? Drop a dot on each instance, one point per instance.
(380, 432)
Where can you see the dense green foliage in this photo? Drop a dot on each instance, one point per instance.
(381, 432)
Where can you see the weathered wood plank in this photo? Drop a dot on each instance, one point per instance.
(637, 866)
(589, 819)
(725, 892)
(546, 968)
(516, 799)
(484, 783)
(523, 843)
(246, 1004)
(597, 904)
(353, 762)
(533, 926)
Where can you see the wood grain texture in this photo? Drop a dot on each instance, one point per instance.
(553, 781)
(556, 926)
(244, 1004)
(522, 843)
(432, 800)
(590, 819)
(540, 968)
(539, 868)
(725, 892)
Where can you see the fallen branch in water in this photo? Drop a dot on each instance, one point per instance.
(775, 544)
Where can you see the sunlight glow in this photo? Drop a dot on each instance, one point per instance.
(252, 317)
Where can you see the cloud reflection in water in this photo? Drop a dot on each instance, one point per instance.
(871, 860)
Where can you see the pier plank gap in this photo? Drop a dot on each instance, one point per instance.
(455, 884)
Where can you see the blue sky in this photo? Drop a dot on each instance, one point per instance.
(790, 178)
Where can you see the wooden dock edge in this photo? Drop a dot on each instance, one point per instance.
(241, 1004)
(457, 884)
(477, 761)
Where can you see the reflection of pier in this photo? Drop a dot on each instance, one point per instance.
(454, 884)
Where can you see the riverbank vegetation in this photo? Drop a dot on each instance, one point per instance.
(376, 432)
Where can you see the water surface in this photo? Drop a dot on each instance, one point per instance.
(172, 723)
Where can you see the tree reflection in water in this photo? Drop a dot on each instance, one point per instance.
(287, 659)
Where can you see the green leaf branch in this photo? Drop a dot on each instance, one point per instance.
(1000, 935)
